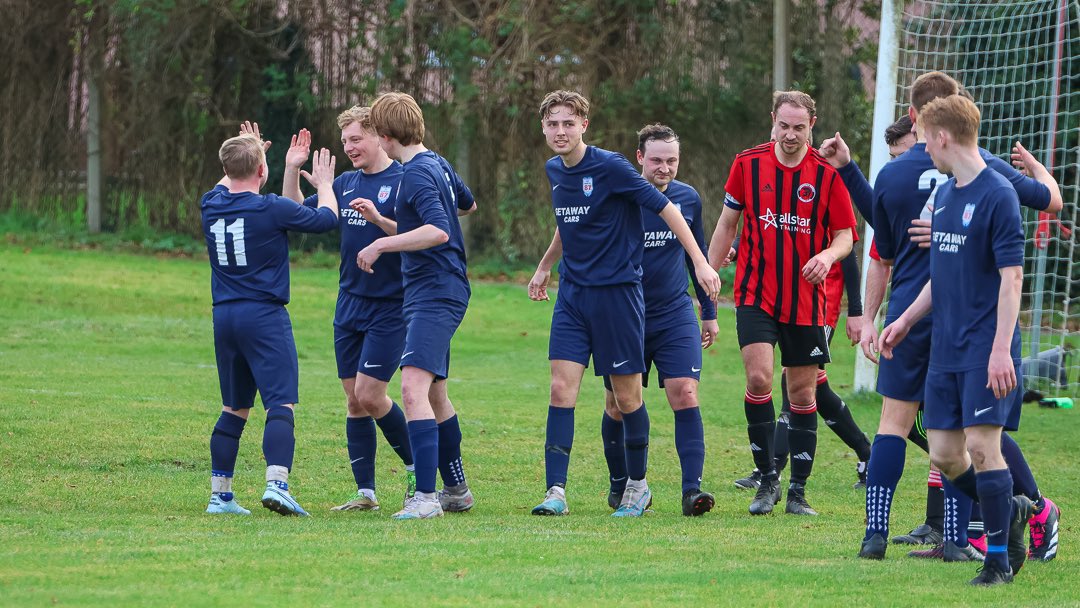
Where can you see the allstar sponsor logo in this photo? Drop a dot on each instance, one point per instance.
(384, 193)
(785, 221)
(587, 186)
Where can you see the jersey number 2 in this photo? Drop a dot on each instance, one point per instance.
(236, 229)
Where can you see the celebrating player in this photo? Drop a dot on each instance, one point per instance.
(672, 338)
(976, 277)
(246, 237)
(436, 294)
(369, 329)
(797, 223)
(597, 197)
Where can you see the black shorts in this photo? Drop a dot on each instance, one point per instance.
(800, 345)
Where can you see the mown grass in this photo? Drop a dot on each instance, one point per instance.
(108, 393)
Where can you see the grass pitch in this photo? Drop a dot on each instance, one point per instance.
(108, 394)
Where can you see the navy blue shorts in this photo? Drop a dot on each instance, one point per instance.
(430, 324)
(255, 351)
(904, 376)
(605, 322)
(369, 336)
(956, 400)
(672, 345)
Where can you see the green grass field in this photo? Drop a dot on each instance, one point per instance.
(108, 393)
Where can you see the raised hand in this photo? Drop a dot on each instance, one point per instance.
(322, 169)
(299, 149)
(252, 128)
(836, 151)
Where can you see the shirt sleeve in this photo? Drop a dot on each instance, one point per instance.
(859, 189)
(465, 199)
(708, 308)
(422, 194)
(1031, 193)
(734, 194)
(626, 180)
(883, 238)
(874, 255)
(852, 285)
(841, 215)
(1007, 230)
(301, 218)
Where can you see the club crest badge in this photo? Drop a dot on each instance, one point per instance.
(806, 192)
(969, 212)
(586, 186)
(384, 193)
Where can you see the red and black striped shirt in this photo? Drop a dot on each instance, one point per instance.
(789, 215)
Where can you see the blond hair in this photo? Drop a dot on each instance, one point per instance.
(359, 114)
(397, 115)
(241, 156)
(573, 100)
(956, 114)
(794, 98)
(931, 86)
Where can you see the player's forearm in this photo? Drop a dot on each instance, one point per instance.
(1040, 174)
(723, 236)
(877, 277)
(552, 255)
(920, 307)
(677, 223)
(386, 224)
(290, 185)
(1008, 306)
(327, 198)
(841, 244)
(424, 237)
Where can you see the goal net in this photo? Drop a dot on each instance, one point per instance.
(1019, 60)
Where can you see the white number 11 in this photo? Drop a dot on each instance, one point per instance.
(236, 229)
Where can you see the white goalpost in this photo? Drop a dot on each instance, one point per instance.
(1018, 58)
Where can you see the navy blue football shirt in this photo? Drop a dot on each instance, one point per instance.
(664, 263)
(246, 238)
(432, 193)
(597, 205)
(357, 233)
(976, 231)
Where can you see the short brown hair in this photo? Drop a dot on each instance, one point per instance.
(241, 156)
(897, 130)
(571, 99)
(397, 115)
(931, 86)
(794, 98)
(655, 132)
(357, 113)
(956, 114)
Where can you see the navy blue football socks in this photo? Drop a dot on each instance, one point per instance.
(424, 437)
(396, 430)
(690, 445)
(995, 495)
(450, 452)
(957, 514)
(224, 445)
(636, 438)
(611, 432)
(560, 438)
(1023, 479)
(360, 440)
(883, 472)
(278, 439)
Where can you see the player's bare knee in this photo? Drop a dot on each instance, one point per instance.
(759, 382)
(682, 394)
